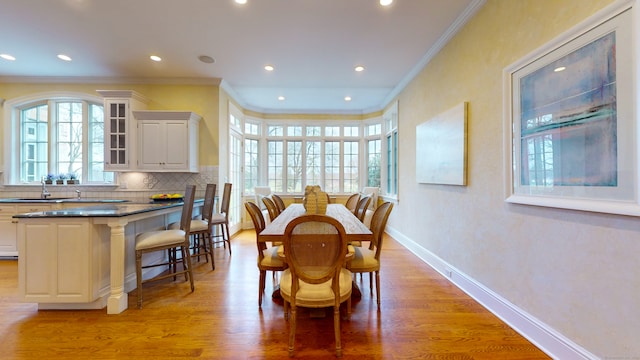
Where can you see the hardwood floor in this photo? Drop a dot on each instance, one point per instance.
(422, 316)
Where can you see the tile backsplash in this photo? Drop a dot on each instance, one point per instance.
(131, 185)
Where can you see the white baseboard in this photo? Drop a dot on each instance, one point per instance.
(544, 337)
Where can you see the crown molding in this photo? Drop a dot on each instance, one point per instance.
(457, 25)
(108, 80)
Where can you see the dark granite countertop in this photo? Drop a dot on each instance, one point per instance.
(106, 210)
(59, 200)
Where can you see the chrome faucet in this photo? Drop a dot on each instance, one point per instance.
(45, 193)
(78, 192)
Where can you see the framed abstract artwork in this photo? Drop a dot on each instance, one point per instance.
(441, 148)
(570, 122)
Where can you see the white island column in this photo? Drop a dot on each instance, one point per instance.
(118, 300)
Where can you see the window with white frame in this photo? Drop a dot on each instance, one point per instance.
(251, 156)
(313, 161)
(390, 122)
(340, 158)
(351, 170)
(331, 166)
(374, 154)
(57, 135)
(275, 157)
(295, 166)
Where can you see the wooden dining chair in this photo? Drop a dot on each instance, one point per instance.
(271, 208)
(361, 208)
(367, 260)
(268, 259)
(167, 240)
(352, 202)
(222, 219)
(279, 203)
(315, 248)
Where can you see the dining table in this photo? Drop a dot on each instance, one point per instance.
(355, 230)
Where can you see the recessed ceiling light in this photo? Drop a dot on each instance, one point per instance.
(155, 58)
(347, 98)
(241, 1)
(64, 57)
(7, 57)
(560, 68)
(385, 2)
(269, 67)
(359, 68)
(206, 59)
(281, 98)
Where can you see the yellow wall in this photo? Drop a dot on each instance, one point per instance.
(201, 99)
(575, 271)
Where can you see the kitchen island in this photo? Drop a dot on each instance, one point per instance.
(84, 257)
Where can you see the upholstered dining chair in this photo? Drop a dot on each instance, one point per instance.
(271, 208)
(268, 259)
(315, 248)
(352, 202)
(279, 202)
(200, 230)
(222, 218)
(167, 240)
(361, 208)
(367, 260)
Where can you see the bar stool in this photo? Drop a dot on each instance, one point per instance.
(169, 240)
(222, 218)
(200, 231)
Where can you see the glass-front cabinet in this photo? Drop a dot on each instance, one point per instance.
(117, 145)
(120, 128)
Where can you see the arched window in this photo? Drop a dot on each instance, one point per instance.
(55, 134)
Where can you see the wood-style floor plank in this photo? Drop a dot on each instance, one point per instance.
(423, 316)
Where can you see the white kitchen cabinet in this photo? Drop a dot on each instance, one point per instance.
(63, 258)
(167, 141)
(120, 128)
(8, 225)
(7, 231)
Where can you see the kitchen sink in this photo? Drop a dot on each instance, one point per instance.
(41, 199)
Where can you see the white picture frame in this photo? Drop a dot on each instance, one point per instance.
(567, 142)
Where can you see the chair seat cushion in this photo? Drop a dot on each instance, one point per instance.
(271, 258)
(152, 239)
(196, 225)
(316, 295)
(218, 219)
(199, 225)
(364, 260)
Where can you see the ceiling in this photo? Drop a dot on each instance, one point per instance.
(314, 46)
